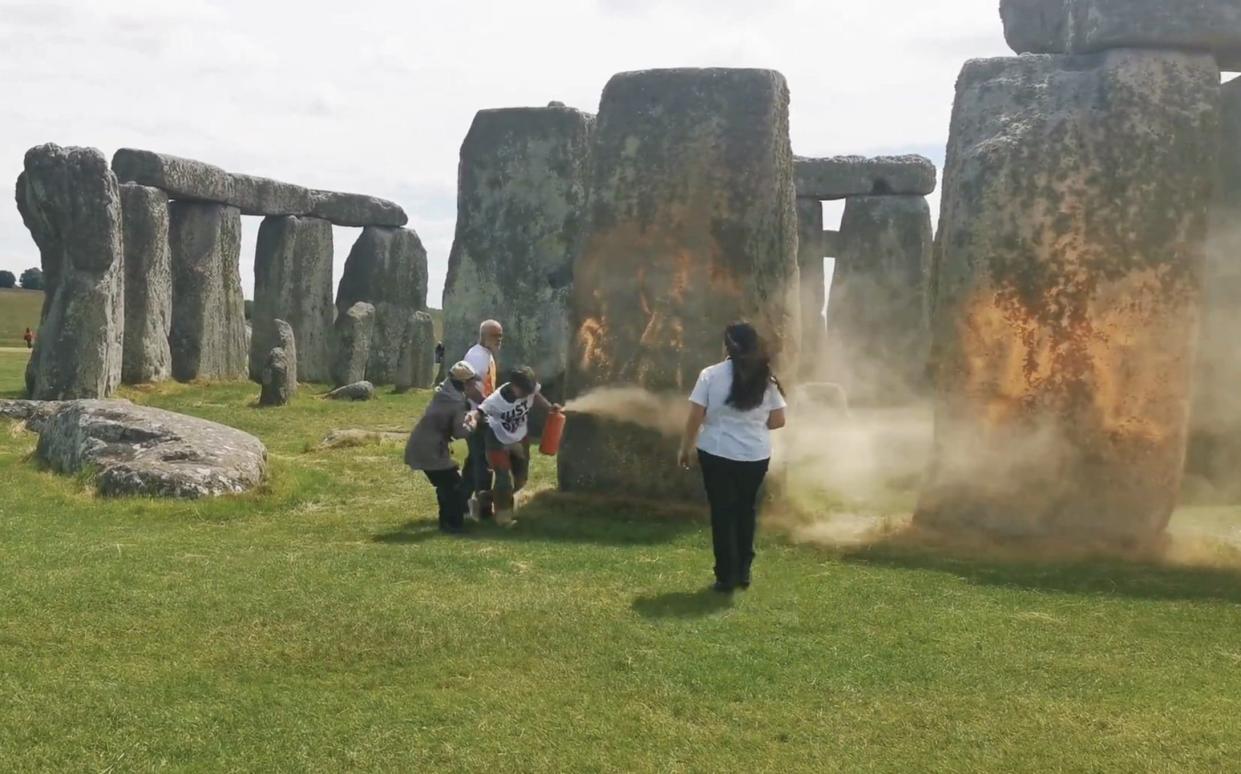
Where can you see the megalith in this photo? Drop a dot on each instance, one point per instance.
(351, 345)
(293, 282)
(521, 207)
(1215, 439)
(279, 376)
(416, 366)
(208, 335)
(148, 285)
(811, 255)
(387, 268)
(692, 226)
(877, 328)
(839, 177)
(71, 203)
(1067, 292)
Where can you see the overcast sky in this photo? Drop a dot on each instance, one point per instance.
(375, 96)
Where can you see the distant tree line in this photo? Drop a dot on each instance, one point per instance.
(7, 280)
(32, 279)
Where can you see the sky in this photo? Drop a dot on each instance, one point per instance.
(375, 96)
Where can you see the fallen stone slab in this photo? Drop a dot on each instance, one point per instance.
(355, 391)
(1089, 26)
(33, 412)
(839, 177)
(138, 450)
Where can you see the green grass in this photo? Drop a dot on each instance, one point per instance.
(18, 310)
(322, 625)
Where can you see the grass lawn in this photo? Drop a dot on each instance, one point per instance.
(322, 624)
(18, 309)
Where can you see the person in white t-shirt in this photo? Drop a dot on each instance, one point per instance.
(733, 409)
(476, 475)
(506, 414)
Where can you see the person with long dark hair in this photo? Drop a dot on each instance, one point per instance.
(733, 409)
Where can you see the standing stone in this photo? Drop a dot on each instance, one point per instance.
(521, 208)
(1215, 441)
(148, 285)
(279, 378)
(811, 253)
(877, 328)
(208, 336)
(352, 335)
(71, 203)
(692, 226)
(416, 368)
(387, 268)
(293, 282)
(1067, 292)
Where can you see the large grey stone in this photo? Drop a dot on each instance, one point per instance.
(280, 368)
(386, 267)
(347, 209)
(692, 225)
(1068, 264)
(416, 367)
(355, 391)
(71, 203)
(34, 413)
(521, 209)
(148, 285)
(208, 334)
(1086, 26)
(352, 343)
(811, 252)
(839, 177)
(137, 450)
(293, 282)
(877, 328)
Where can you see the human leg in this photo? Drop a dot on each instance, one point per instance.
(749, 478)
(722, 497)
(447, 485)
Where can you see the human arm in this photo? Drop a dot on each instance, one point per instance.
(542, 402)
(776, 406)
(776, 420)
(693, 423)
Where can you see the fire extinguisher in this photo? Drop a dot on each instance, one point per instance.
(553, 429)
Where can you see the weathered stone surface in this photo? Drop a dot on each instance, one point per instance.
(1215, 440)
(280, 370)
(1086, 26)
(33, 412)
(387, 267)
(839, 177)
(148, 285)
(877, 328)
(137, 450)
(352, 343)
(293, 282)
(191, 180)
(416, 367)
(693, 225)
(521, 209)
(605, 456)
(70, 201)
(830, 240)
(1066, 292)
(811, 252)
(355, 391)
(208, 334)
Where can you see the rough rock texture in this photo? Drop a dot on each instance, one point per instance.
(1215, 440)
(191, 180)
(1085, 26)
(208, 334)
(839, 177)
(521, 208)
(692, 225)
(137, 450)
(416, 367)
(387, 267)
(830, 241)
(811, 252)
(352, 343)
(280, 369)
(1067, 288)
(355, 391)
(71, 203)
(148, 285)
(293, 282)
(877, 328)
(33, 412)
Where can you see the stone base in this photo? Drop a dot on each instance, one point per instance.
(619, 459)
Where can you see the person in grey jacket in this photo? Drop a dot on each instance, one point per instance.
(446, 418)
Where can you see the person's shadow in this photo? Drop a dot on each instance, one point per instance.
(682, 604)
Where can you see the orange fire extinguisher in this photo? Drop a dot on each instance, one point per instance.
(553, 429)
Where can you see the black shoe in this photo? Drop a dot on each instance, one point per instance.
(723, 588)
(745, 581)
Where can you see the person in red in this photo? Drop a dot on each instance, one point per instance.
(29, 339)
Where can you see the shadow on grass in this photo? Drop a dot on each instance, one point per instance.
(682, 604)
(412, 532)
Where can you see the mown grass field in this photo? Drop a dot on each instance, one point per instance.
(18, 309)
(322, 624)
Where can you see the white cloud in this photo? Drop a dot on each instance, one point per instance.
(376, 95)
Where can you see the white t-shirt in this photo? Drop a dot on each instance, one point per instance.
(481, 360)
(727, 432)
(508, 419)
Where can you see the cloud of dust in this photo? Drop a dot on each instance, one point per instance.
(662, 412)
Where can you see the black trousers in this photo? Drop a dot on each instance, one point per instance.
(476, 475)
(732, 490)
(451, 496)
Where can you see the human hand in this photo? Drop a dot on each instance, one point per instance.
(683, 459)
(556, 408)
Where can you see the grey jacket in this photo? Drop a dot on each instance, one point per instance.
(444, 420)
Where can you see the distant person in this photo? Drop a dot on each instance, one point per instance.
(28, 337)
(733, 409)
(447, 417)
(506, 413)
(476, 479)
